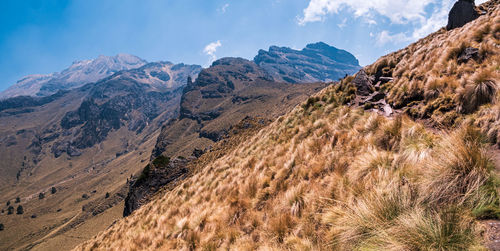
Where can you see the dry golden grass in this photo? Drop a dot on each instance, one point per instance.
(326, 176)
(428, 71)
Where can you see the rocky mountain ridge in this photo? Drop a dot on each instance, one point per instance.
(318, 62)
(77, 75)
(98, 133)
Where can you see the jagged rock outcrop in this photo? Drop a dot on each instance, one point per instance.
(155, 176)
(223, 94)
(363, 83)
(462, 12)
(317, 62)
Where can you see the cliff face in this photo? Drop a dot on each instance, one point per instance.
(222, 95)
(317, 62)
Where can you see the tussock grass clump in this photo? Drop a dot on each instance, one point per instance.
(428, 230)
(280, 226)
(461, 167)
(354, 225)
(480, 90)
(390, 135)
(294, 199)
(480, 33)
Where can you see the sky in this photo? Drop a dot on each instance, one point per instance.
(44, 36)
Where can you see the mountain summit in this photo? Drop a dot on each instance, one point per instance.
(78, 74)
(317, 62)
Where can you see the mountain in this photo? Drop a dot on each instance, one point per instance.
(161, 75)
(224, 94)
(85, 142)
(93, 143)
(338, 173)
(317, 62)
(78, 74)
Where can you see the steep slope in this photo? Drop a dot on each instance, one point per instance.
(221, 96)
(78, 74)
(317, 62)
(445, 75)
(231, 90)
(334, 174)
(85, 143)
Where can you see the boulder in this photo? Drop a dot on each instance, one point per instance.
(468, 54)
(363, 83)
(462, 12)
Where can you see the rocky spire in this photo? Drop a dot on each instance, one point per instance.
(462, 12)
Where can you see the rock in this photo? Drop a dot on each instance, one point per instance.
(142, 189)
(384, 80)
(197, 152)
(65, 147)
(387, 110)
(468, 54)
(363, 83)
(376, 96)
(462, 12)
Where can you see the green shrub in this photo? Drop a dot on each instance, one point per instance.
(1, 227)
(310, 102)
(18, 200)
(488, 201)
(20, 210)
(41, 196)
(161, 161)
(53, 190)
(8, 203)
(107, 195)
(10, 210)
(144, 174)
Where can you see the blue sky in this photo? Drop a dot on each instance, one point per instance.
(44, 36)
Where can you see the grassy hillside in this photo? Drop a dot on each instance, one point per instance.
(332, 176)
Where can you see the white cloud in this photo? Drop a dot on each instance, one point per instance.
(398, 11)
(211, 49)
(343, 24)
(385, 37)
(224, 7)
